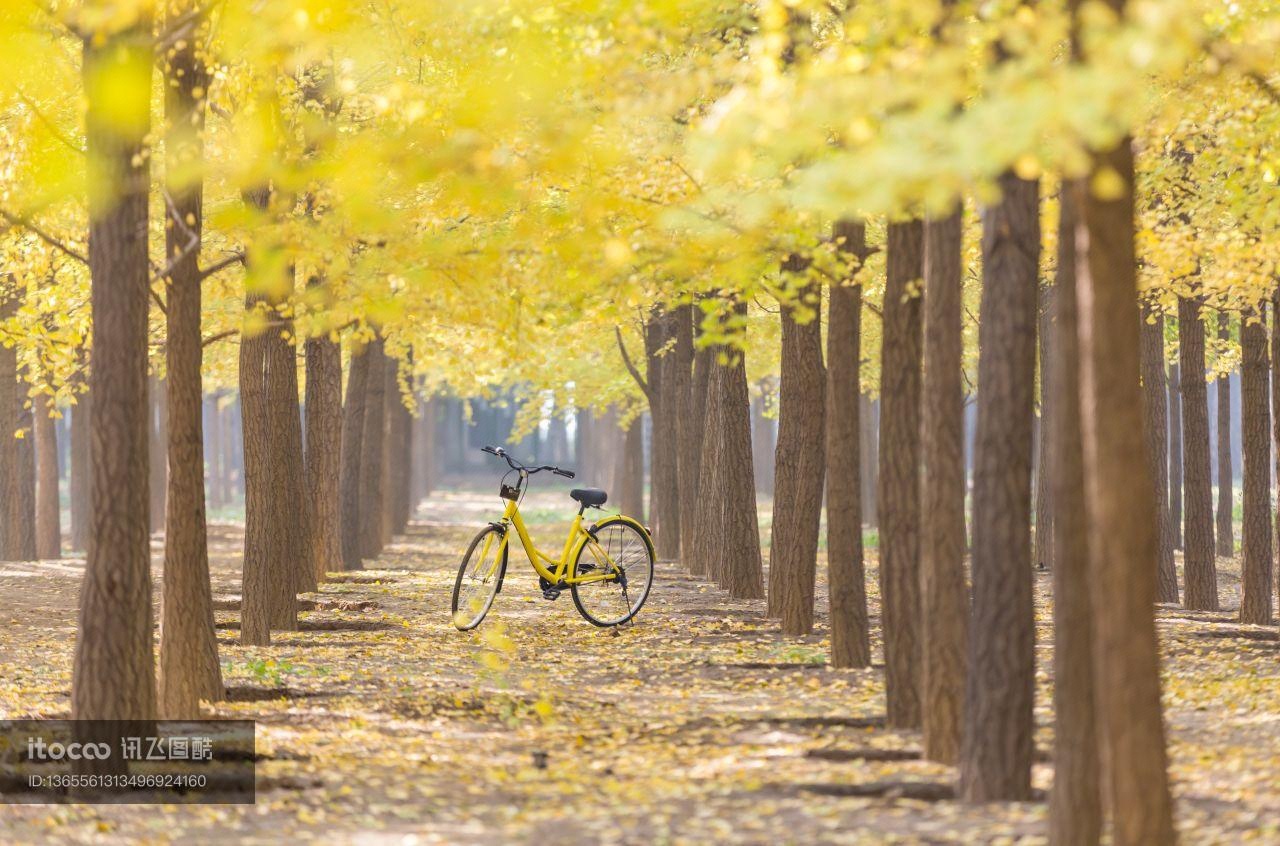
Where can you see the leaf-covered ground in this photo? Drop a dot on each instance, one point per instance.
(379, 723)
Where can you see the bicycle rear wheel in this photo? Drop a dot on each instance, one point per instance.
(623, 551)
(479, 578)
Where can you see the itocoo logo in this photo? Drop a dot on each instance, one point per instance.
(37, 749)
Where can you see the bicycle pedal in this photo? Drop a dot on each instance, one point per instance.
(550, 594)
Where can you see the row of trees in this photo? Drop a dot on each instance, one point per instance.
(497, 197)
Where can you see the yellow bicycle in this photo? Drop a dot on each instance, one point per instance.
(608, 566)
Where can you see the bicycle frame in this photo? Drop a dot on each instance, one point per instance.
(556, 573)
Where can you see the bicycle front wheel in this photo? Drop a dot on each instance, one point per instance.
(479, 578)
(623, 555)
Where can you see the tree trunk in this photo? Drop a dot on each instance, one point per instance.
(1075, 804)
(898, 493)
(557, 438)
(1043, 553)
(1224, 535)
(870, 439)
(158, 444)
(631, 498)
(48, 529)
(424, 452)
(664, 407)
(26, 475)
(268, 592)
(1123, 531)
(10, 402)
(763, 441)
(400, 452)
(1175, 455)
(189, 669)
(114, 673)
(352, 450)
(688, 425)
(79, 485)
(372, 447)
(215, 458)
(323, 460)
(259, 583)
(1275, 399)
(944, 595)
(1156, 420)
(233, 448)
(1255, 602)
(850, 640)
(289, 498)
(742, 570)
(390, 399)
(20, 490)
(1199, 568)
(706, 556)
(274, 555)
(999, 723)
(800, 460)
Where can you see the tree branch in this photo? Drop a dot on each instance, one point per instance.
(213, 339)
(19, 220)
(221, 265)
(631, 368)
(48, 122)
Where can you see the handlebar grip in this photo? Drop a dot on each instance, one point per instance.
(491, 450)
(568, 474)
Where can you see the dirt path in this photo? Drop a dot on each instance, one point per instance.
(698, 724)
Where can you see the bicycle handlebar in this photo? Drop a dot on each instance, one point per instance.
(518, 465)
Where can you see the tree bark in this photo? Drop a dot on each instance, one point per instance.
(1275, 401)
(20, 496)
(390, 448)
(1175, 454)
(289, 497)
(189, 669)
(850, 639)
(1123, 534)
(11, 502)
(1199, 568)
(664, 407)
(742, 570)
(352, 450)
(705, 557)
(1075, 803)
(79, 485)
(1156, 420)
(215, 458)
(898, 493)
(1256, 577)
(399, 454)
(233, 448)
(48, 528)
(114, 672)
(631, 497)
(274, 554)
(1042, 556)
(259, 583)
(372, 446)
(323, 460)
(763, 441)
(945, 599)
(688, 424)
(158, 459)
(424, 451)
(870, 421)
(1224, 534)
(995, 762)
(800, 460)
